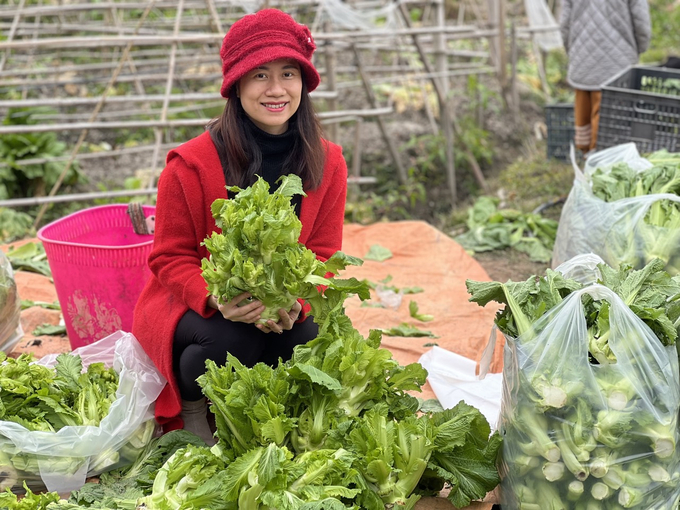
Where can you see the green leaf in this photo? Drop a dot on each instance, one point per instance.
(413, 311)
(406, 330)
(378, 253)
(314, 375)
(49, 330)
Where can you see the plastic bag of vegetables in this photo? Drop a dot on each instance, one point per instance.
(581, 432)
(624, 211)
(10, 307)
(69, 416)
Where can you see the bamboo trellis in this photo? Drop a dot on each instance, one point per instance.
(107, 66)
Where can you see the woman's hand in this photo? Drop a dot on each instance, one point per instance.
(284, 323)
(235, 311)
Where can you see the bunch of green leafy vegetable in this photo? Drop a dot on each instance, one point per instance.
(118, 489)
(29, 257)
(339, 411)
(572, 440)
(15, 225)
(47, 399)
(658, 234)
(491, 228)
(258, 250)
(334, 427)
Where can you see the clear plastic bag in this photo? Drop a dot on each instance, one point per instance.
(616, 231)
(60, 461)
(582, 435)
(606, 158)
(582, 268)
(10, 307)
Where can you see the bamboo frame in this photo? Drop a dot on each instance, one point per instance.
(169, 52)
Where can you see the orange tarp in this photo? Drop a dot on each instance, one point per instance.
(422, 256)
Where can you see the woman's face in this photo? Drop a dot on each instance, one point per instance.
(270, 94)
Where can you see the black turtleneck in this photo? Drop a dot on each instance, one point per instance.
(275, 150)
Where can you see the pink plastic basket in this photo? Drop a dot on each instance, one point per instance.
(99, 266)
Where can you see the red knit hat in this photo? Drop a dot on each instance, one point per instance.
(262, 37)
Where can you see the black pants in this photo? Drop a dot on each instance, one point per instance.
(198, 339)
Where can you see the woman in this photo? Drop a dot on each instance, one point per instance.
(268, 128)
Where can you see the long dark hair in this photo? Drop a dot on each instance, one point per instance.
(241, 157)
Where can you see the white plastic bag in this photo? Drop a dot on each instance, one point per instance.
(592, 443)
(60, 461)
(10, 307)
(582, 268)
(453, 378)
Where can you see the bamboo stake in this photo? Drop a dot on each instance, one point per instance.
(90, 155)
(158, 132)
(84, 132)
(445, 117)
(136, 124)
(214, 17)
(45, 201)
(401, 171)
(61, 9)
(448, 122)
(152, 40)
(193, 60)
(329, 53)
(31, 56)
(514, 93)
(151, 98)
(12, 31)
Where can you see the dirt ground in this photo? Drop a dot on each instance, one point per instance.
(504, 265)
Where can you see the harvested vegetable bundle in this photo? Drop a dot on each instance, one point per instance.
(43, 398)
(258, 249)
(61, 421)
(592, 392)
(624, 213)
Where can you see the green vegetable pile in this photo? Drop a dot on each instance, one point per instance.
(490, 228)
(118, 489)
(335, 427)
(258, 250)
(658, 234)
(42, 398)
(598, 433)
(46, 399)
(332, 428)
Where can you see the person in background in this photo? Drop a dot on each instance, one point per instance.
(268, 128)
(602, 38)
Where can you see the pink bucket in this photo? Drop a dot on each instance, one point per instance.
(99, 266)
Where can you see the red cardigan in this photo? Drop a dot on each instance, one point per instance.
(191, 181)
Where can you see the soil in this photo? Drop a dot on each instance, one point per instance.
(504, 265)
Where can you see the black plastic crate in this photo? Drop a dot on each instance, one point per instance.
(641, 105)
(559, 120)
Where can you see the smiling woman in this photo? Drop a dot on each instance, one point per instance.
(268, 129)
(270, 94)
